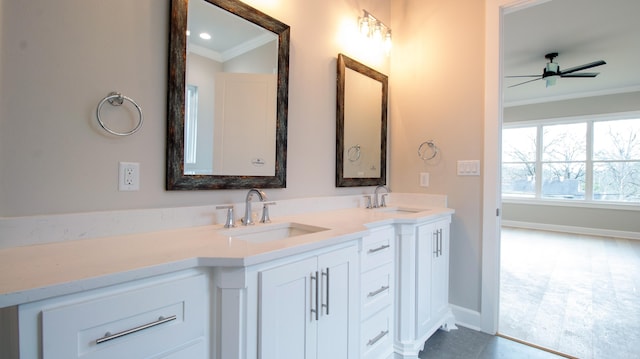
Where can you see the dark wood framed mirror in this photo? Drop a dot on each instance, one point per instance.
(248, 147)
(361, 125)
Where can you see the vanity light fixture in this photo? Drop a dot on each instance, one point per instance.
(375, 29)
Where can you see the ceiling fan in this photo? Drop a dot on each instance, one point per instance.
(552, 71)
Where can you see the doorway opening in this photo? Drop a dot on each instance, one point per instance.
(567, 293)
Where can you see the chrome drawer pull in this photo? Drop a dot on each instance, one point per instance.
(108, 336)
(379, 248)
(377, 337)
(378, 291)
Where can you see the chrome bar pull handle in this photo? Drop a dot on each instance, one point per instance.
(440, 240)
(435, 243)
(382, 247)
(377, 338)
(108, 336)
(315, 311)
(326, 290)
(377, 291)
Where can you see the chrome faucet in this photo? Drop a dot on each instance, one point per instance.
(247, 220)
(382, 202)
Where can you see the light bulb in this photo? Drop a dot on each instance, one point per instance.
(364, 26)
(377, 33)
(387, 42)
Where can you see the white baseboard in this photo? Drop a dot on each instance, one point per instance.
(467, 318)
(575, 230)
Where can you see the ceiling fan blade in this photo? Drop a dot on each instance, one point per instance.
(522, 83)
(583, 67)
(581, 74)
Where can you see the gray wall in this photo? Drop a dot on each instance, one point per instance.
(60, 58)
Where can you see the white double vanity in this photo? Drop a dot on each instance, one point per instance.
(317, 282)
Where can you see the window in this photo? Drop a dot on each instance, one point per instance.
(594, 160)
(191, 125)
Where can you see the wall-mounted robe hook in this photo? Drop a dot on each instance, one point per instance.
(117, 99)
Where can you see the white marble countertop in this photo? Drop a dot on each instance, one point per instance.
(36, 272)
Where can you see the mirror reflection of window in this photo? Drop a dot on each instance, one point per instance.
(191, 125)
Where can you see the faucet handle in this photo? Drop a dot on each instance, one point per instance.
(383, 203)
(368, 201)
(265, 212)
(228, 223)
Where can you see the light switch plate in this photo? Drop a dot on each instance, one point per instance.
(469, 168)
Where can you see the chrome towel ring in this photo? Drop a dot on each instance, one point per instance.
(429, 152)
(353, 154)
(117, 99)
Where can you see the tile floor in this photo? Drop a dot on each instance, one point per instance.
(575, 294)
(464, 343)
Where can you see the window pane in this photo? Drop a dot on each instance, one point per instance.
(616, 140)
(519, 144)
(519, 180)
(564, 142)
(616, 181)
(191, 125)
(563, 180)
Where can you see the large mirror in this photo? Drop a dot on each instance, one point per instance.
(227, 97)
(361, 132)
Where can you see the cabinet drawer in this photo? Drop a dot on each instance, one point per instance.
(377, 249)
(137, 323)
(376, 289)
(376, 338)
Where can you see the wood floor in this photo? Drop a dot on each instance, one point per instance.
(574, 294)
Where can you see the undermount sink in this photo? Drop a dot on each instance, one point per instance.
(400, 210)
(261, 233)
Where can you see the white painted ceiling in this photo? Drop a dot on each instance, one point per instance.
(230, 34)
(580, 31)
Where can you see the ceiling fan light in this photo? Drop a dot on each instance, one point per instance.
(551, 80)
(552, 67)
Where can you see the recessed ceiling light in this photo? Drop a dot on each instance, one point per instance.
(205, 36)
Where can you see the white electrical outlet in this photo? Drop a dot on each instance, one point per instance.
(424, 179)
(129, 176)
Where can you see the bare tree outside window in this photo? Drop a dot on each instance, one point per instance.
(616, 154)
(519, 162)
(564, 157)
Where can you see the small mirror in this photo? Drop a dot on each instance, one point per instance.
(361, 132)
(228, 96)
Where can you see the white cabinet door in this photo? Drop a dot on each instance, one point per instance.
(288, 328)
(424, 267)
(432, 262)
(338, 304)
(308, 308)
(440, 270)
